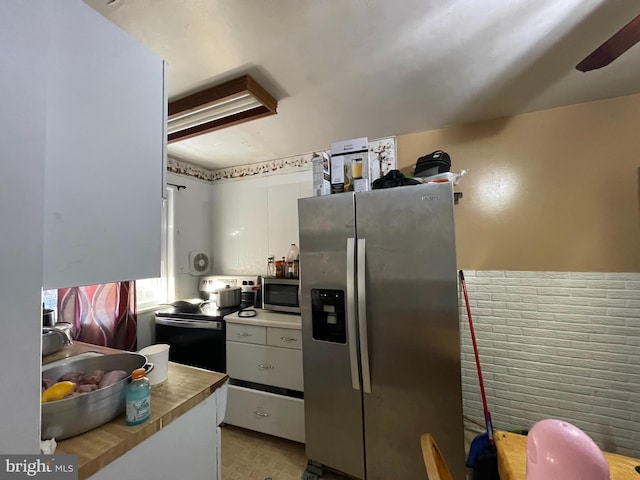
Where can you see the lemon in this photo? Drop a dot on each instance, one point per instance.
(57, 391)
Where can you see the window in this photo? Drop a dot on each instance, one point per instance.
(50, 300)
(153, 291)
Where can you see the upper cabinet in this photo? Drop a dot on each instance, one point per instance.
(105, 152)
(256, 217)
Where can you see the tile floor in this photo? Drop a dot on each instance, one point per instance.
(249, 455)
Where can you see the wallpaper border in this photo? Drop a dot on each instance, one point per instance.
(386, 146)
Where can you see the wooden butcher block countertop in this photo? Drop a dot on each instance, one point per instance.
(184, 388)
(512, 459)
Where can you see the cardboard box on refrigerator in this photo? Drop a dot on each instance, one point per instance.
(350, 165)
(321, 174)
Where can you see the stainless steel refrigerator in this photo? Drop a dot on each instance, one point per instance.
(381, 345)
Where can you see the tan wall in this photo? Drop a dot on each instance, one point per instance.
(556, 190)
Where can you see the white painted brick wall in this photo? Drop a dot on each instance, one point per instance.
(555, 345)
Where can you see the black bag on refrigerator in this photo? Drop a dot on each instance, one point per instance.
(395, 178)
(432, 164)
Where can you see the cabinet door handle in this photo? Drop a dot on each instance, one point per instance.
(244, 334)
(289, 339)
(262, 413)
(265, 366)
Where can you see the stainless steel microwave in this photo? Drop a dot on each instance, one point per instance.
(281, 294)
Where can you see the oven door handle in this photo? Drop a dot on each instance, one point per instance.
(175, 322)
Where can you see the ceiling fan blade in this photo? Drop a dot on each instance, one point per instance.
(619, 43)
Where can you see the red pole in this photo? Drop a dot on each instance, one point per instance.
(487, 415)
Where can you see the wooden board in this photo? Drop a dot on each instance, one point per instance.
(184, 388)
(512, 459)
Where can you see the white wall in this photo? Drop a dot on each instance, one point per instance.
(23, 34)
(192, 231)
(255, 217)
(556, 345)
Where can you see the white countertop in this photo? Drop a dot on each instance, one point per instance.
(267, 318)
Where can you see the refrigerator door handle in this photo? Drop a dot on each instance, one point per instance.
(351, 312)
(362, 318)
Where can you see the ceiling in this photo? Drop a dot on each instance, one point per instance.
(342, 69)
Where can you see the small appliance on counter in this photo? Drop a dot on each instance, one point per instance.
(281, 294)
(196, 335)
(281, 288)
(249, 285)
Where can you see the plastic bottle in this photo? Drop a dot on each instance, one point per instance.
(296, 269)
(293, 253)
(138, 398)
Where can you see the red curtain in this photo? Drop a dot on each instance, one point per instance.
(101, 314)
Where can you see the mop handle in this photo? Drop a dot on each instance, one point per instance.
(487, 415)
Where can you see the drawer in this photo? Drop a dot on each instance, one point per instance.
(284, 337)
(246, 333)
(266, 412)
(279, 367)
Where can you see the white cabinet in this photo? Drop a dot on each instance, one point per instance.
(189, 447)
(246, 333)
(284, 337)
(23, 65)
(105, 152)
(284, 193)
(264, 361)
(280, 367)
(254, 217)
(266, 412)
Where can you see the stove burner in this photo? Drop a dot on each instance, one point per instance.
(206, 312)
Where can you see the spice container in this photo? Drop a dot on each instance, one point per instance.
(281, 266)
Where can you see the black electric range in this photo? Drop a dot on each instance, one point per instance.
(198, 339)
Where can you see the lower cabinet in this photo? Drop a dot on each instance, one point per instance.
(189, 447)
(266, 412)
(279, 367)
(265, 366)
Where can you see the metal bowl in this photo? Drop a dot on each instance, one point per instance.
(72, 416)
(53, 340)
